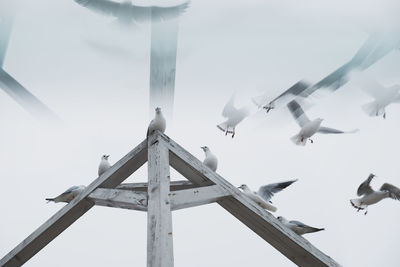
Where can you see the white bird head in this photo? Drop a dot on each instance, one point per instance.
(281, 219)
(158, 110)
(105, 157)
(244, 187)
(205, 148)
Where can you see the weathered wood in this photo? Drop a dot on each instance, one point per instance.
(25, 99)
(159, 222)
(123, 199)
(294, 247)
(76, 208)
(174, 185)
(164, 41)
(197, 196)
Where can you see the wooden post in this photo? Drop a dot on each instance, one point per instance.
(159, 219)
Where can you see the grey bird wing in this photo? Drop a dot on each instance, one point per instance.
(69, 190)
(267, 191)
(297, 89)
(327, 130)
(394, 192)
(365, 188)
(140, 13)
(299, 224)
(104, 7)
(298, 113)
(229, 108)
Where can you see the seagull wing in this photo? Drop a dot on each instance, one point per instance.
(166, 13)
(104, 7)
(394, 192)
(327, 130)
(72, 188)
(267, 191)
(298, 113)
(365, 188)
(373, 88)
(229, 108)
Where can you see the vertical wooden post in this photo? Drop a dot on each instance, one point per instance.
(159, 219)
(164, 42)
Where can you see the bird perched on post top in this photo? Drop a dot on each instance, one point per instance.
(158, 123)
(104, 164)
(68, 195)
(211, 160)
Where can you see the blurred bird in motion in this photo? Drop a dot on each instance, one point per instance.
(129, 14)
(211, 160)
(308, 127)
(264, 194)
(298, 227)
(370, 196)
(158, 123)
(104, 164)
(234, 116)
(68, 195)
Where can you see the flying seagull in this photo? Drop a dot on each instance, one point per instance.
(104, 164)
(211, 160)
(298, 227)
(370, 196)
(264, 194)
(383, 96)
(158, 123)
(233, 115)
(308, 127)
(68, 195)
(127, 13)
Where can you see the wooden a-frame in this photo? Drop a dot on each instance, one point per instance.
(162, 197)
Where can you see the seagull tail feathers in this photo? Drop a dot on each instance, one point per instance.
(269, 207)
(356, 203)
(224, 127)
(297, 140)
(372, 109)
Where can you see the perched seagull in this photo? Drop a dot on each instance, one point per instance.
(298, 227)
(68, 195)
(158, 123)
(383, 96)
(265, 193)
(104, 164)
(308, 127)
(370, 196)
(211, 160)
(127, 13)
(234, 116)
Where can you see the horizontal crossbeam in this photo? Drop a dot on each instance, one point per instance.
(142, 187)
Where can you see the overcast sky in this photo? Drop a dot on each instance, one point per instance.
(95, 76)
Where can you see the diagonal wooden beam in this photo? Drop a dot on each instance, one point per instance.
(294, 247)
(76, 208)
(159, 218)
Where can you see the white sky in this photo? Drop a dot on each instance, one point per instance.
(96, 79)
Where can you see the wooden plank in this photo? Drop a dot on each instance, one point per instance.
(164, 42)
(159, 222)
(294, 247)
(25, 99)
(174, 185)
(76, 208)
(197, 196)
(119, 199)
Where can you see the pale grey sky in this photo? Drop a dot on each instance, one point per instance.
(96, 77)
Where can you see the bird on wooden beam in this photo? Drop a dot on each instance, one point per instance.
(158, 123)
(298, 227)
(104, 164)
(129, 14)
(211, 160)
(68, 195)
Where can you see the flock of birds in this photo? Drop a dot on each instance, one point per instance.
(263, 196)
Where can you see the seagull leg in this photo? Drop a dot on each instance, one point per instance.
(233, 132)
(384, 115)
(312, 142)
(226, 132)
(366, 211)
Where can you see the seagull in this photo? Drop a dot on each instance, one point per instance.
(211, 160)
(158, 123)
(308, 127)
(104, 164)
(128, 14)
(265, 193)
(370, 196)
(68, 195)
(383, 96)
(234, 116)
(298, 227)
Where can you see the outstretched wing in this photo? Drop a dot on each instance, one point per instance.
(365, 188)
(166, 13)
(394, 192)
(327, 130)
(104, 7)
(298, 113)
(267, 191)
(229, 108)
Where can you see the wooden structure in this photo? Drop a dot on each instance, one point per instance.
(159, 197)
